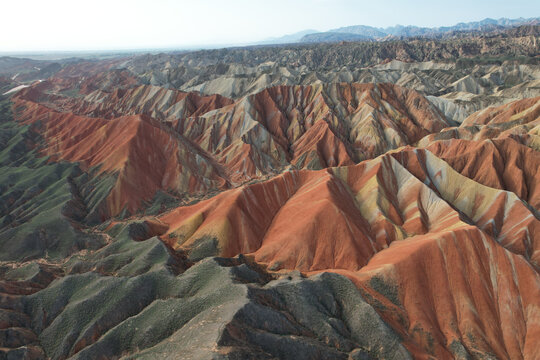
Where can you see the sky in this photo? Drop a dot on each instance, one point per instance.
(75, 25)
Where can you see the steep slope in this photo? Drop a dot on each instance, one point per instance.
(40, 202)
(456, 295)
(313, 126)
(516, 113)
(375, 222)
(499, 163)
(218, 308)
(142, 154)
(157, 102)
(300, 126)
(133, 297)
(380, 201)
(295, 222)
(518, 120)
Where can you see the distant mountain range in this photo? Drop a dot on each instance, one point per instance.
(364, 32)
(287, 39)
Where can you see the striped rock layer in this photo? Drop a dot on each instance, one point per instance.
(437, 226)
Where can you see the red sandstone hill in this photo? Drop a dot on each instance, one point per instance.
(442, 240)
(431, 246)
(518, 112)
(303, 126)
(498, 163)
(140, 152)
(393, 197)
(313, 126)
(299, 126)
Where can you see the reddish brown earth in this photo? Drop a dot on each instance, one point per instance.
(313, 126)
(408, 220)
(437, 226)
(457, 290)
(144, 155)
(299, 126)
(303, 126)
(400, 226)
(521, 112)
(498, 163)
(393, 197)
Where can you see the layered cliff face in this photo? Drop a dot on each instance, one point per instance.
(316, 221)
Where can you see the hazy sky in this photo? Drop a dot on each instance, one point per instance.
(130, 24)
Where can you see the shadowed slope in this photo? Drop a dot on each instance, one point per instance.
(389, 213)
(145, 155)
(313, 126)
(390, 198)
(260, 135)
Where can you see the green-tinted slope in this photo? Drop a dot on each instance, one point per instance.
(217, 309)
(40, 201)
